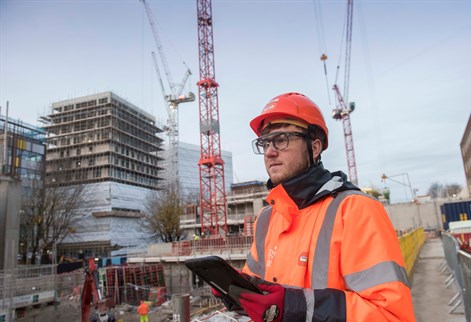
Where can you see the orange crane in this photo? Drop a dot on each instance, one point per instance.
(342, 111)
(211, 166)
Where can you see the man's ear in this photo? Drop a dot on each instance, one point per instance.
(316, 148)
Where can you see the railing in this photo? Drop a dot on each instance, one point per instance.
(459, 265)
(233, 244)
(464, 260)
(31, 285)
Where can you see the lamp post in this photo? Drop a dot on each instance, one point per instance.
(384, 177)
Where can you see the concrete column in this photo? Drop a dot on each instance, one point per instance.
(181, 307)
(10, 198)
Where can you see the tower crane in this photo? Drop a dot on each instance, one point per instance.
(211, 165)
(342, 111)
(173, 98)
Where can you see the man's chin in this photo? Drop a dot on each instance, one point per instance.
(275, 180)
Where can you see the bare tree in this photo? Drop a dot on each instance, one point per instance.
(435, 190)
(163, 211)
(438, 190)
(452, 190)
(50, 216)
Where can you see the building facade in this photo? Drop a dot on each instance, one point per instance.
(100, 138)
(114, 149)
(22, 152)
(188, 170)
(22, 155)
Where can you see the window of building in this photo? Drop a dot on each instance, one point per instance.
(79, 151)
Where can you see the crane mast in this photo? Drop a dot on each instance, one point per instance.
(342, 111)
(211, 165)
(173, 99)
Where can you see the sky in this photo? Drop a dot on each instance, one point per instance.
(410, 73)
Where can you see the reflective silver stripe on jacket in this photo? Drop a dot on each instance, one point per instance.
(378, 274)
(320, 266)
(310, 301)
(263, 221)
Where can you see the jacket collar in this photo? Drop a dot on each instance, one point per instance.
(314, 184)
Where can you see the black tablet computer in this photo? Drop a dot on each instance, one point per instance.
(219, 275)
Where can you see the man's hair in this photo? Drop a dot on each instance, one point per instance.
(318, 133)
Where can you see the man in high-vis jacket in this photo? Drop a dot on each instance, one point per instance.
(323, 250)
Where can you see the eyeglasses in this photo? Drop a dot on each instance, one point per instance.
(280, 141)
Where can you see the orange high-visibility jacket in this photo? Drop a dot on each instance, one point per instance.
(143, 309)
(334, 249)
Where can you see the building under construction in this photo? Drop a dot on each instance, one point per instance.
(113, 147)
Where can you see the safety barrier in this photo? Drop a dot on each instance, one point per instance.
(459, 265)
(27, 286)
(464, 260)
(410, 244)
(213, 245)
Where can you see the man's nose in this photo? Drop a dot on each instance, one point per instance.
(271, 151)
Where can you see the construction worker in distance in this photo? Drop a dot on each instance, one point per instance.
(323, 250)
(143, 310)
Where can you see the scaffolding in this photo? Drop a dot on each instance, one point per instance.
(133, 283)
(100, 138)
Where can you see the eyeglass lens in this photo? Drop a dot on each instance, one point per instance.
(280, 142)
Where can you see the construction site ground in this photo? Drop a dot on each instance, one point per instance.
(429, 294)
(69, 310)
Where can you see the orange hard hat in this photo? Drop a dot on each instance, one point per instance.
(291, 108)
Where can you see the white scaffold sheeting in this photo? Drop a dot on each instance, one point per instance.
(122, 231)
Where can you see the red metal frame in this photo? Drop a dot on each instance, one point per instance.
(211, 165)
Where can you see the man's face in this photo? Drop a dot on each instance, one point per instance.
(285, 164)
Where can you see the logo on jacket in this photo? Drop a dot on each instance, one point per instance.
(271, 313)
(271, 255)
(303, 258)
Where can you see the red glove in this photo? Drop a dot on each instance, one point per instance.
(266, 307)
(229, 305)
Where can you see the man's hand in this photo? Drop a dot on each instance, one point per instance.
(229, 305)
(266, 307)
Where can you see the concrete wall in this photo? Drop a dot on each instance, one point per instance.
(10, 193)
(408, 215)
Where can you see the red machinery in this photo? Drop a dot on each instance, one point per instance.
(211, 165)
(91, 295)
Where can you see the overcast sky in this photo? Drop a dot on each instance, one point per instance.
(410, 72)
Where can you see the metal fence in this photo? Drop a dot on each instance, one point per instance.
(33, 285)
(464, 260)
(459, 264)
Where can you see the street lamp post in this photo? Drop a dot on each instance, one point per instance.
(412, 191)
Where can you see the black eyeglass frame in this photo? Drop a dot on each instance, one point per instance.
(261, 144)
